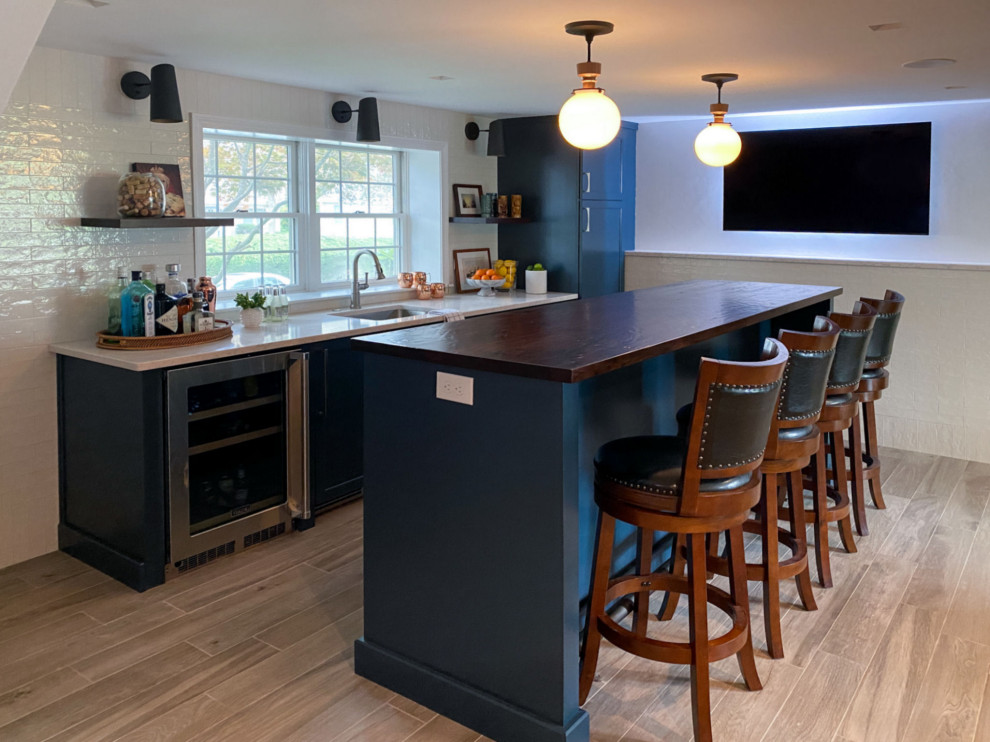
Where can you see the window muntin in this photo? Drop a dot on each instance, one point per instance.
(302, 209)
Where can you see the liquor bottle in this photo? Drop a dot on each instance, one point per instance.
(166, 312)
(113, 305)
(136, 304)
(205, 321)
(183, 306)
(241, 487)
(209, 293)
(148, 279)
(173, 286)
(191, 317)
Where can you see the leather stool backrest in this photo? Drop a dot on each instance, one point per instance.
(802, 391)
(882, 340)
(850, 351)
(734, 405)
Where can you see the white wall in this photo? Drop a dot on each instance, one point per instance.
(22, 24)
(65, 137)
(679, 200)
(938, 401)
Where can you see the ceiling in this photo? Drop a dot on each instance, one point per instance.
(513, 57)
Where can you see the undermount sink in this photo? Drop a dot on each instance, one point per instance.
(380, 314)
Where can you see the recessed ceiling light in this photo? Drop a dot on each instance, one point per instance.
(925, 64)
(440, 77)
(886, 26)
(87, 3)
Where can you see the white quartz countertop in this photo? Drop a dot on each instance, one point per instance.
(311, 327)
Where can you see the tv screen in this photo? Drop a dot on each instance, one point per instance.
(861, 179)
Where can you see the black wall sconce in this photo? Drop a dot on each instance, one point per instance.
(496, 137)
(367, 111)
(165, 106)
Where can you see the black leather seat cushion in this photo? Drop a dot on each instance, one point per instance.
(653, 463)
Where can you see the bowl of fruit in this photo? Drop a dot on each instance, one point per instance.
(486, 280)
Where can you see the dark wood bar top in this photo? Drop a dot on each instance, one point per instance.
(576, 340)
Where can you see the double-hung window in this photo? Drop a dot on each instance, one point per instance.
(302, 210)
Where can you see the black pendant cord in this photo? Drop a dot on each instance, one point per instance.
(588, 37)
(719, 86)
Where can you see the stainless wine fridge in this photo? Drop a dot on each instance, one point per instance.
(237, 455)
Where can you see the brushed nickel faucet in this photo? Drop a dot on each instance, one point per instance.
(356, 287)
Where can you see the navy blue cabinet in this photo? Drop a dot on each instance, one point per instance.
(336, 422)
(582, 204)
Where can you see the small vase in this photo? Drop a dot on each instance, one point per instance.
(536, 282)
(251, 318)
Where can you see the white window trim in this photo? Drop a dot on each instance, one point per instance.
(345, 137)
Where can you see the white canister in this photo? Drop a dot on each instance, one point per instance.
(536, 282)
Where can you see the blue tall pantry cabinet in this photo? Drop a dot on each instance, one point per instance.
(582, 203)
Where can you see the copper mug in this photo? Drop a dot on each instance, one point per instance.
(419, 278)
(405, 280)
(437, 290)
(423, 291)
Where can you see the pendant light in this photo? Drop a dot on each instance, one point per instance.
(718, 144)
(589, 119)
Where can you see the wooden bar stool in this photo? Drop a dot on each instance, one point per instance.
(704, 484)
(838, 413)
(875, 379)
(794, 439)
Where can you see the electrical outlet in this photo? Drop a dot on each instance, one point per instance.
(455, 388)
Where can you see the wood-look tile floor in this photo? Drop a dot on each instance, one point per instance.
(258, 646)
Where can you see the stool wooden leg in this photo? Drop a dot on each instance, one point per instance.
(873, 451)
(820, 505)
(838, 456)
(856, 465)
(644, 556)
(771, 565)
(799, 529)
(677, 565)
(739, 590)
(698, 621)
(605, 533)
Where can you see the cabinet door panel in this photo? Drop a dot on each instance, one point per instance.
(601, 248)
(601, 172)
(336, 421)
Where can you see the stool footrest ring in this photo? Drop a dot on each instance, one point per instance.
(678, 653)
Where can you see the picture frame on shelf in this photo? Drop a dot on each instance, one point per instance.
(175, 204)
(467, 200)
(466, 262)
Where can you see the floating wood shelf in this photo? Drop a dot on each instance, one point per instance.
(163, 222)
(489, 220)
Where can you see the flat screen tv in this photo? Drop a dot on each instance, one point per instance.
(860, 179)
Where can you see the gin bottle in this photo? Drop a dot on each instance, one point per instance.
(166, 312)
(137, 308)
(113, 305)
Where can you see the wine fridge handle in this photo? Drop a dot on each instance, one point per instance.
(587, 182)
(587, 218)
(298, 438)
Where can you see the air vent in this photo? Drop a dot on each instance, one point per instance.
(264, 534)
(204, 557)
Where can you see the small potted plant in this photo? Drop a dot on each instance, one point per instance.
(252, 308)
(536, 279)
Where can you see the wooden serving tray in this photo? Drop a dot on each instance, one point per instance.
(118, 342)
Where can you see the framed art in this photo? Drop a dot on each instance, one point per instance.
(175, 204)
(467, 200)
(466, 262)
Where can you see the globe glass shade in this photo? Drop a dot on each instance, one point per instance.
(589, 119)
(717, 145)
